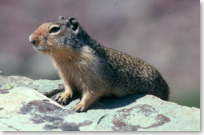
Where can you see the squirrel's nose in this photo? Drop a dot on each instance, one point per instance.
(32, 40)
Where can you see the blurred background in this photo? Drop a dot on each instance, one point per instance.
(165, 33)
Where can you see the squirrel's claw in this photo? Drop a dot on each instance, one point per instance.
(62, 98)
(79, 107)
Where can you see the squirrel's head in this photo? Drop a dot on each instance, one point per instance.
(51, 37)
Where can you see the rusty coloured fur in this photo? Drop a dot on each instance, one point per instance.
(86, 66)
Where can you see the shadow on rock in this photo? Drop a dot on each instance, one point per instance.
(115, 102)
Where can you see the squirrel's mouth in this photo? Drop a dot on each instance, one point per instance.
(40, 48)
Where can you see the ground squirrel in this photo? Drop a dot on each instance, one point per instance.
(86, 66)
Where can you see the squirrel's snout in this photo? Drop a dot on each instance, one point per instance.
(32, 40)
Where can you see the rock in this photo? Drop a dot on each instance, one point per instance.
(47, 87)
(24, 107)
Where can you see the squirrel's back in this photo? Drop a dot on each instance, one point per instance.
(130, 75)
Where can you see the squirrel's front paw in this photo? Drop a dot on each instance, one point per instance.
(63, 97)
(80, 107)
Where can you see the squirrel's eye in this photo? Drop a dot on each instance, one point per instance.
(54, 29)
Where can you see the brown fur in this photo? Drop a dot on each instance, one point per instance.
(91, 69)
(71, 68)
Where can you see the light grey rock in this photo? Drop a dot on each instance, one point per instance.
(13, 81)
(47, 87)
(26, 108)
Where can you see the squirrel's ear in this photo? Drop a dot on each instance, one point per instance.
(61, 18)
(72, 23)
